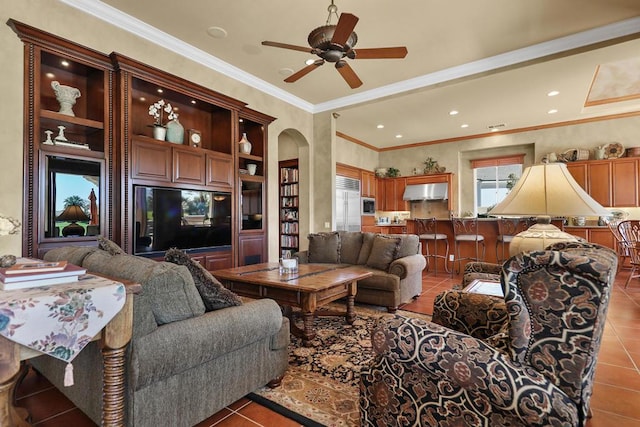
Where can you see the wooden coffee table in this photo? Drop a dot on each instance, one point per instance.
(313, 286)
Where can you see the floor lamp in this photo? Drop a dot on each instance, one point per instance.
(546, 190)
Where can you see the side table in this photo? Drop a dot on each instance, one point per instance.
(114, 338)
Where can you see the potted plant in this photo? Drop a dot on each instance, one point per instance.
(156, 110)
(393, 172)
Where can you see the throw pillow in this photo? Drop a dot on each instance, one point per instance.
(109, 246)
(324, 247)
(213, 294)
(383, 252)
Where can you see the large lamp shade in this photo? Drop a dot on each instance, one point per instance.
(546, 190)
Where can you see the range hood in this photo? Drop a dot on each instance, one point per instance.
(438, 191)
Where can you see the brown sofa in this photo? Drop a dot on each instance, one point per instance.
(394, 259)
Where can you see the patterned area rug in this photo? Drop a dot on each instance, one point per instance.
(321, 383)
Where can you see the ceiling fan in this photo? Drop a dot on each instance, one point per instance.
(335, 43)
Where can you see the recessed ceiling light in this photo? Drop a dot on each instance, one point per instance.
(399, 136)
(494, 130)
(464, 125)
(453, 112)
(241, 121)
(285, 71)
(50, 75)
(553, 93)
(217, 32)
(552, 111)
(64, 63)
(160, 91)
(142, 99)
(193, 101)
(380, 126)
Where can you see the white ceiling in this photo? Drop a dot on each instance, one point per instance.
(492, 60)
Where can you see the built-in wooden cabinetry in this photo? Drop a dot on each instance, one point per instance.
(599, 235)
(612, 183)
(115, 150)
(289, 208)
(389, 194)
(85, 161)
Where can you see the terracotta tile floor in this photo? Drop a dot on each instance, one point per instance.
(615, 401)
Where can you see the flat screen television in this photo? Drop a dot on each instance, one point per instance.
(176, 218)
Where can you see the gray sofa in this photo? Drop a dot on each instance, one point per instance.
(183, 364)
(394, 259)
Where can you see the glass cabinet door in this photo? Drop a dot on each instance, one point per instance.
(251, 204)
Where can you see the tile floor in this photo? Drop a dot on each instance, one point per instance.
(615, 401)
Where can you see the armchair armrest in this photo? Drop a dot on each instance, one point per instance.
(418, 365)
(481, 270)
(408, 265)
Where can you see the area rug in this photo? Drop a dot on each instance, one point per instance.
(320, 388)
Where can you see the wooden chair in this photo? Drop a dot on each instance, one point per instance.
(630, 232)
(427, 231)
(621, 248)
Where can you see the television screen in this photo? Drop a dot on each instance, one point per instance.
(186, 219)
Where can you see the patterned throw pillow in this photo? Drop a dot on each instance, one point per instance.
(109, 246)
(324, 247)
(213, 294)
(383, 251)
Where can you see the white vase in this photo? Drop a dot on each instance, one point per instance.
(244, 144)
(175, 132)
(159, 132)
(251, 167)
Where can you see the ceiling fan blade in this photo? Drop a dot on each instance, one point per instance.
(381, 52)
(348, 74)
(303, 72)
(344, 28)
(287, 46)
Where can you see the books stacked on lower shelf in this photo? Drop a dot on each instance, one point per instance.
(29, 273)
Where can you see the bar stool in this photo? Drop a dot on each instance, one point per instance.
(427, 231)
(507, 229)
(465, 230)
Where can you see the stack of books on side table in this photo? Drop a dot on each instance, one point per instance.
(29, 273)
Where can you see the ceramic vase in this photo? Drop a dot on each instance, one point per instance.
(175, 132)
(66, 96)
(244, 144)
(159, 132)
(252, 167)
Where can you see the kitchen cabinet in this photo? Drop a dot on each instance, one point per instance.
(393, 191)
(368, 184)
(599, 235)
(612, 183)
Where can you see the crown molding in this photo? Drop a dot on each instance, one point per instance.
(132, 25)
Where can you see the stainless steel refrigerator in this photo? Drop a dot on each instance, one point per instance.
(347, 204)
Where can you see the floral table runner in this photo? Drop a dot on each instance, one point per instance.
(60, 320)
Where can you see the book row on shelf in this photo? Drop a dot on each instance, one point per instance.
(289, 228)
(289, 190)
(288, 175)
(289, 202)
(287, 241)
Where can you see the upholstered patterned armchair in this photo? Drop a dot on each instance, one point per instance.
(430, 375)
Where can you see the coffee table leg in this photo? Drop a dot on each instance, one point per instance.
(351, 313)
(307, 333)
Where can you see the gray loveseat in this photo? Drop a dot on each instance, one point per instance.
(183, 365)
(394, 259)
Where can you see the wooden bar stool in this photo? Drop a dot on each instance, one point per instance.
(427, 231)
(465, 230)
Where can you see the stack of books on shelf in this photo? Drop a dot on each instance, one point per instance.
(29, 273)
